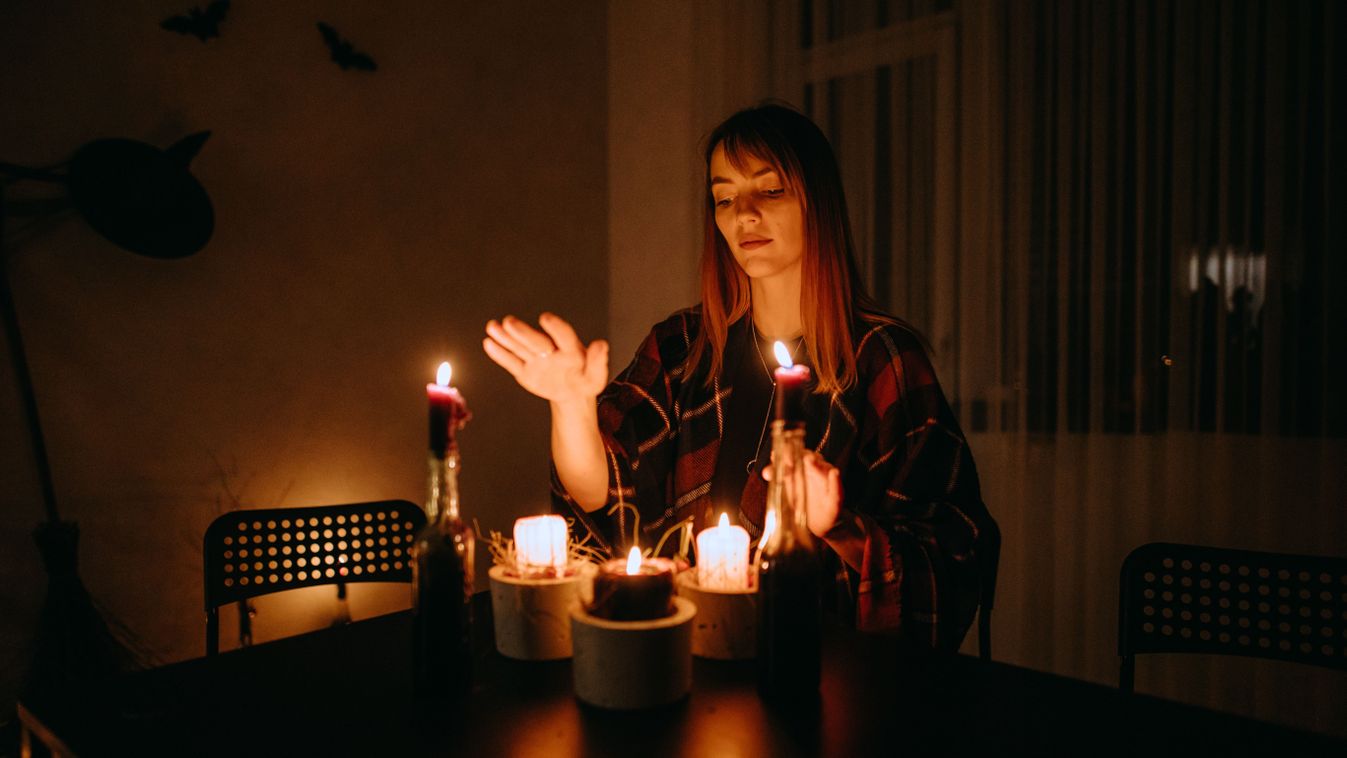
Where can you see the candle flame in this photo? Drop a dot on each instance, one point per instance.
(634, 561)
(782, 354)
(724, 520)
(443, 374)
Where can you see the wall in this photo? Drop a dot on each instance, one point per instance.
(675, 71)
(652, 170)
(367, 226)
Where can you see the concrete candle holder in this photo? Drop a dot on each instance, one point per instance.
(532, 616)
(726, 627)
(628, 665)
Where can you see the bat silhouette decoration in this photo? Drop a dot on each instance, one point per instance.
(343, 52)
(202, 24)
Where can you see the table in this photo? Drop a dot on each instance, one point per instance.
(347, 690)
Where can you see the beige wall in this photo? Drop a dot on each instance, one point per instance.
(367, 226)
(675, 70)
(652, 169)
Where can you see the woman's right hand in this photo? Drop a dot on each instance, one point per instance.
(552, 364)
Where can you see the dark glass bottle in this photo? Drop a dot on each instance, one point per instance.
(789, 580)
(442, 584)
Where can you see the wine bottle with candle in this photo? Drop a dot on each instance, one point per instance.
(442, 564)
(789, 571)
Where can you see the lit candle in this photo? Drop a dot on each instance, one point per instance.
(790, 382)
(540, 546)
(634, 589)
(722, 557)
(448, 412)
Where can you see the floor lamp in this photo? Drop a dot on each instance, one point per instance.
(145, 200)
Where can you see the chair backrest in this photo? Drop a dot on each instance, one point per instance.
(256, 552)
(1195, 599)
(988, 566)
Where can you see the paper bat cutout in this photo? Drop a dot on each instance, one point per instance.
(343, 52)
(201, 24)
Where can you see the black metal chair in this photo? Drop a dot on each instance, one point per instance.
(989, 564)
(257, 552)
(1195, 599)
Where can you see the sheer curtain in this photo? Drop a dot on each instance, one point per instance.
(1120, 222)
(1172, 163)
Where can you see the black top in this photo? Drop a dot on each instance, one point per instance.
(746, 446)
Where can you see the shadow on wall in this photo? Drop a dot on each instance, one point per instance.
(146, 201)
(368, 226)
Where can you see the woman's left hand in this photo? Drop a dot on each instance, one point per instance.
(823, 492)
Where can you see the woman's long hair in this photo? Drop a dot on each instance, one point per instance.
(831, 293)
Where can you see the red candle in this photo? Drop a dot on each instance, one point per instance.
(448, 412)
(790, 387)
(632, 589)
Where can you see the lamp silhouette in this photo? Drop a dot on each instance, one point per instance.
(145, 200)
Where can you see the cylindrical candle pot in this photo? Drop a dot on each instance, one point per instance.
(532, 616)
(633, 589)
(628, 665)
(727, 620)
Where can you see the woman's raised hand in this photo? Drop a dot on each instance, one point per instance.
(552, 364)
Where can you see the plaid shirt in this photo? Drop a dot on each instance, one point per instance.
(911, 503)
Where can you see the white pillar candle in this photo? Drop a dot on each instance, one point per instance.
(722, 557)
(540, 544)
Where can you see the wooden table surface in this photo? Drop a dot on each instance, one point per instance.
(347, 691)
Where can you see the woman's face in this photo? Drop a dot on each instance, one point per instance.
(761, 220)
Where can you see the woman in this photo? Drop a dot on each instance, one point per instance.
(682, 432)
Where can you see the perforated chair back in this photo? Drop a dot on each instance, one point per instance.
(257, 552)
(989, 565)
(1194, 599)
